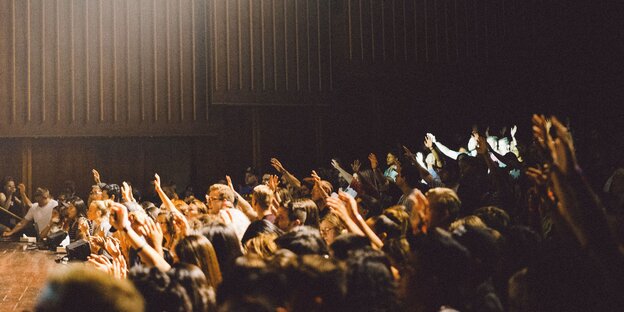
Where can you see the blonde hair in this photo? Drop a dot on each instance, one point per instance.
(262, 245)
(224, 192)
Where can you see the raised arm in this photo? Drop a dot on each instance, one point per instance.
(343, 173)
(23, 196)
(290, 179)
(119, 219)
(242, 204)
(163, 197)
(446, 151)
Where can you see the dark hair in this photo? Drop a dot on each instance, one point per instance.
(112, 190)
(303, 240)
(411, 175)
(370, 283)
(80, 205)
(324, 279)
(6, 180)
(161, 292)
(258, 227)
(225, 243)
(298, 209)
(196, 285)
(345, 243)
(197, 250)
(494, 217)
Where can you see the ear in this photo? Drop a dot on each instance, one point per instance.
(383, 236)
(297, 222)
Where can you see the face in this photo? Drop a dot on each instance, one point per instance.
(281, 220)
(214, 203)
(192, 211)
(56, 217)
(10, 188)
(316, 193)
(96, 193)
(93, 213)
(390, 159)
(265, 178)
(72, 212)
(251, 179)
(328, 232)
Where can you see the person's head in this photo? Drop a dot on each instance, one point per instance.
(258, 227)
(112, 192)
(95, 193)
(97, 210)
(408, 177)
(265, 178)
(79, 288)
(303, 240)
(42, 196)
(293, 214)
(165, 221)
(317, 193)
(251, 178)
(77, 208)
(182, 207)
(494, 217)
(161, 292)
(8, 185)
(470, 220)
(324, 287)
(262, 198)
(191, 277)
(197, 250)
(331, 227)
(399, 215)
(443, 208)
(219, 196)
(226, 244)
(346, 243)
(370, 283)
(262, 245)
(196, 208)
(391, 159)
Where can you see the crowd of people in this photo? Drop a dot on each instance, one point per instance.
(495, 225)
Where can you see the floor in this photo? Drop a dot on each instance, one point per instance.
(22, 275)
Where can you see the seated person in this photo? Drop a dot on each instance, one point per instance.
(40, 212)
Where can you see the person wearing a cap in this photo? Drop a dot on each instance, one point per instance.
(40, 212)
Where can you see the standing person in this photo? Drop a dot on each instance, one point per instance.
(40, 212)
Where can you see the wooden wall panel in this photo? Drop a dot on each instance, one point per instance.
(97, 67)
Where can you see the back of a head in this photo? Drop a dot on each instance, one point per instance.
(349, 242)
(444, 201)
(258, 227)
(79, 288)
(161, 292)
(324, 287)
(263, 196)
(225, 243)
(194, 281)
(370, 283)
(494, 217)
(303, 240)
(197, 250)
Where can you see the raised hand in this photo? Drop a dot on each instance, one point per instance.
(372, 158)
(101, 263)
(22, 188)
(112, 246)
(335, 164)
(350, 204)
(96, 176)
(356, 165)
(157, 181)
(181, 224)
(229, 182)
(420, 158)
(408, 153)
(154, 234)
(482, 145)
(277, 165)
(539, 177)
(274, 182)
(119, 268)
(338, 207)
(316, 178)
(420, 204)
(428, 142)
(126, 192)
(119, 215)
(432, 137)
(83, 227)
(513, 131)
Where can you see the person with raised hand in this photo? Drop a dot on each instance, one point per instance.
(149, 255)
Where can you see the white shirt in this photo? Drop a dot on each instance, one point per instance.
(41, 215)
(236, 219)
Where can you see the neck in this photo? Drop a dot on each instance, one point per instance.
(405, 189)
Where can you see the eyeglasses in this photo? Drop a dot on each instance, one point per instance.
(214, 199)
(325, 230)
